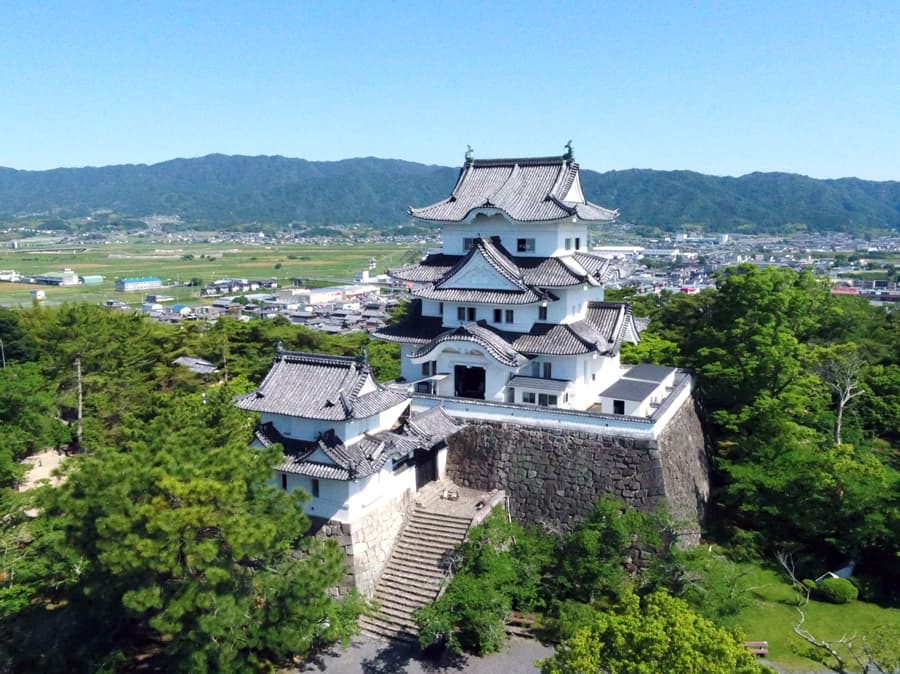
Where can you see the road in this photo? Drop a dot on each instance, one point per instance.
(374, 656)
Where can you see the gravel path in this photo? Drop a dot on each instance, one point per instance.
(366, 655)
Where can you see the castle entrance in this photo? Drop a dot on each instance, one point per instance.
(469, 382)
(426, 467)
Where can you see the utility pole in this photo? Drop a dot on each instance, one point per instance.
(80, 403)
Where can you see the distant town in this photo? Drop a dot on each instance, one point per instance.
(684, 262)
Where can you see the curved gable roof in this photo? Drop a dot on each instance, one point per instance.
(526, 190)
(321, 387)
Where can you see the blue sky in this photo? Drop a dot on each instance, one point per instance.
(724, 88)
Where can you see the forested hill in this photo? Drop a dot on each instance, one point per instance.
(222, 190)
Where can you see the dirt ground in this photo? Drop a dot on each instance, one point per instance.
(42, 465)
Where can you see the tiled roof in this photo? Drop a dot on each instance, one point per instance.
(604, 328)
(414, 328)
(648, 372)
(596, 266)
(467, 295)
(478, 333)
(526, 190)
(318, 387)
(364, 457)
(539, 384)
(630, 389)
(429, 270)
(548, 339)
(544, 272)
(434, 424)
(615, 320)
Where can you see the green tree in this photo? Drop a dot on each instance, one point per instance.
(27, 417)
(17, 343)
(179, 530)
(655, 634)
(500, 568)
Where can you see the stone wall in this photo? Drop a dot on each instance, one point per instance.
(368, 543)
(554, 477)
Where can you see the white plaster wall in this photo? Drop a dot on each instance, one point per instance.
(571, 231)
(548, 239)
(408, 370)
(632, 407)
(302, 429)
(333, 501)
(380, 422)
(431, 308)
(477, 274)
(442, 463)
(369, 493)
(349, 431)
(348, 501)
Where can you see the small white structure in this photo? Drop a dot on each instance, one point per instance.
(124, 285)
(639, 392)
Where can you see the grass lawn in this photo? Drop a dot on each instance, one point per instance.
(772, 615)
(335, 264)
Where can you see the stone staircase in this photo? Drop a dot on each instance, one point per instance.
(416, 570)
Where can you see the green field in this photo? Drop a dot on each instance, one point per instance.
(772, 614)
(325, 264)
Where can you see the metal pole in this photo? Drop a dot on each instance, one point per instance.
(3, 353)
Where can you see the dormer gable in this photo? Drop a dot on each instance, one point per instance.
(485, 267)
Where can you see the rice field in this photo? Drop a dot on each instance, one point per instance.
(177, 265)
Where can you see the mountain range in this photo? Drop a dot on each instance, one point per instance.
(222, 191)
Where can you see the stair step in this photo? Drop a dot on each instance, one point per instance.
(411, 559)
(434, 537)
(415, 572)
(427, 553)
(379, 628)
(397, 616)
(414, 557)
(404, 603)
(400, 585)
(440, 518)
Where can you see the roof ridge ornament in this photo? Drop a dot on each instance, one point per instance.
(570, 152)
(470, 153)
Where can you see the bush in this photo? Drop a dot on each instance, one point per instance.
(810, 585)
(837, 590)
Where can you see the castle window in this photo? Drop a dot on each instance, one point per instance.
(510, 316)
(547, 400)
(618, 407)
(468, 243)
(528, 397)
(577, 243)
(315, 488)
(548, 370)
(498, 314)
(568, 243)
(524, 245)
(284, 481)
(542, 313)
(441, 308)
(461, 313)
(470, 313)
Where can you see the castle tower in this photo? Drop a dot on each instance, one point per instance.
(511, 309)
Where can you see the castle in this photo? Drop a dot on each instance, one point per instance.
(510, 379)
